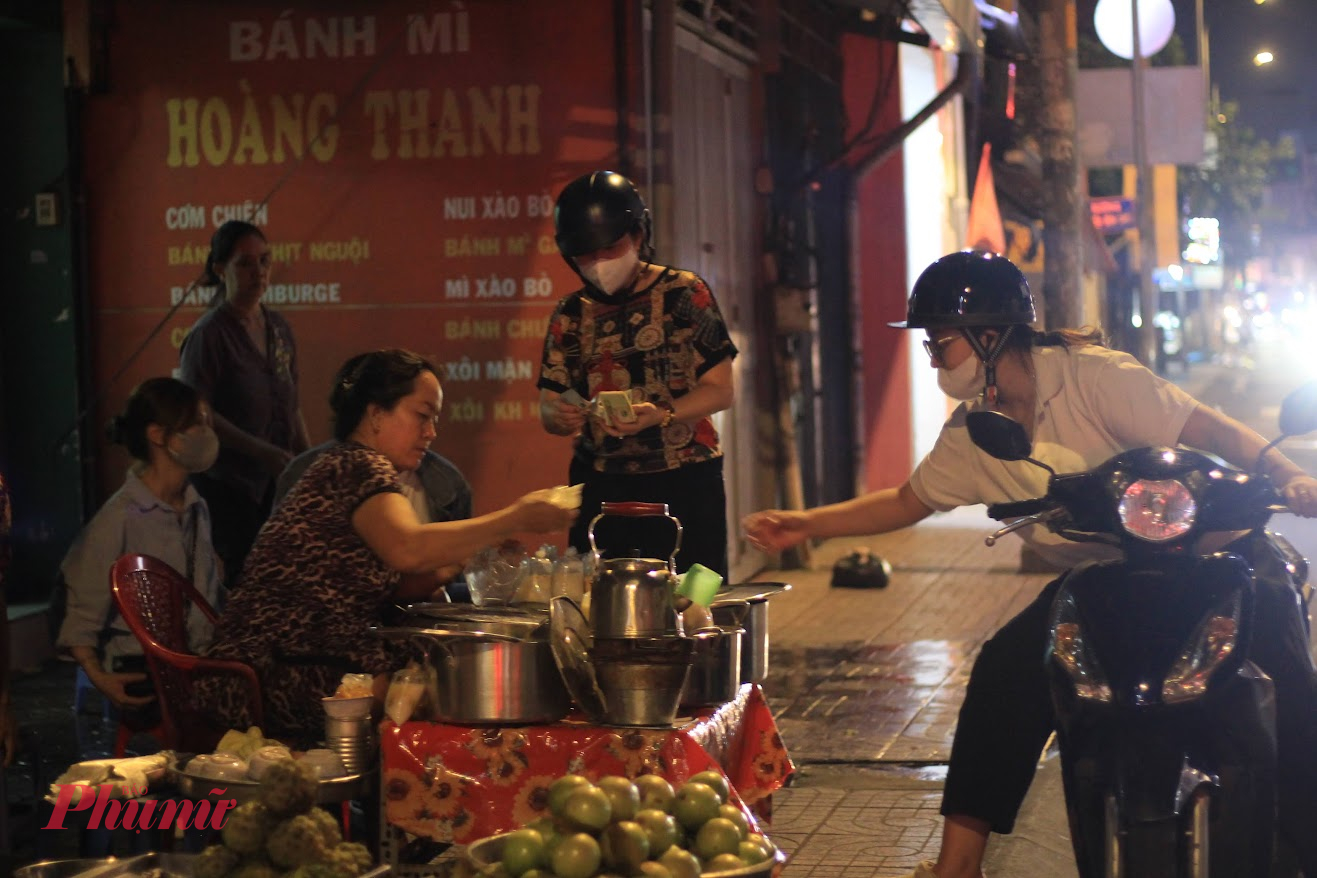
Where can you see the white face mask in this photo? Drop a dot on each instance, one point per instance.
(611, 275)
(198, 448)
(965, 382)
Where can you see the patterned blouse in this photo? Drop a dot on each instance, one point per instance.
(655, 343)
(309, 590)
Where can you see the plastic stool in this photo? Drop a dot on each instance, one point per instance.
(82, 688)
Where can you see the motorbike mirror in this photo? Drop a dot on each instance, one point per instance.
(1001, 437)
(1298, 412)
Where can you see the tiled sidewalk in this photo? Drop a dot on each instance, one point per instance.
(866, 686)
(852, 821)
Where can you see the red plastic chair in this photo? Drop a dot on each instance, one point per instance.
(150, 596)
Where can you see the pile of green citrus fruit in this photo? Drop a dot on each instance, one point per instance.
(617, 828)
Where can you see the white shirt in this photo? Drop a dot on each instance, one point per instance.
(136, 520)
(1092, 403)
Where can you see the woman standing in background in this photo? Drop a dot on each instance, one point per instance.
(241, 357)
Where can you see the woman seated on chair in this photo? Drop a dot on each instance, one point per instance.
(165, 426)
(334, 552)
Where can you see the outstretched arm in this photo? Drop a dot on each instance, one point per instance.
(388, 524)
(1225, 437)
(891, 509)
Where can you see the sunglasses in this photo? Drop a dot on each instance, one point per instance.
(934, 347)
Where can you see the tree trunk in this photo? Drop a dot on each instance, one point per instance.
(1063, 207)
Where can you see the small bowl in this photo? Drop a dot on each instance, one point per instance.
(347, 708)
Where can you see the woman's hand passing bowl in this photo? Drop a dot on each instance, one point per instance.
(538, 513)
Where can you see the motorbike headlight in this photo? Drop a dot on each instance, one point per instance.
(1157, 511)
(1209, 647)
(1070, 651)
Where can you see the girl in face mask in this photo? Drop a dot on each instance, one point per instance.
(166, 427)
(1080, 404)
(656, 334)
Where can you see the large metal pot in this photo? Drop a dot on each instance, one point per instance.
(487, 678)
(633, 597)
(715, 667)
(641, 678)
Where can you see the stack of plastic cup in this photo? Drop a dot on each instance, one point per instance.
(350, 732)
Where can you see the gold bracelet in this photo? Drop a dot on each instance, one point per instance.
(667, 419)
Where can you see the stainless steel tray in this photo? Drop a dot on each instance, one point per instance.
(328, 792)
(749, 592)
(161, 865)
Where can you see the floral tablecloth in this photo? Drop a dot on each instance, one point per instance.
(451, 783)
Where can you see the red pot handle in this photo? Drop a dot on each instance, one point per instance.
(633, 508)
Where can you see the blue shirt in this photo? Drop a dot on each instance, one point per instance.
(134, 520)
(447, 492)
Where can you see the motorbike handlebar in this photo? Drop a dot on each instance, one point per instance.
(1017, 509)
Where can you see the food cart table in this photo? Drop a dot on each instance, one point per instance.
(455, 784)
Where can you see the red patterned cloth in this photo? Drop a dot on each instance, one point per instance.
(461, 783)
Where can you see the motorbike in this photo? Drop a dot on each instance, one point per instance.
(1166, 728)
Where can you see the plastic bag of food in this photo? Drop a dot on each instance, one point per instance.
(496, 573)
(406, 692)
(354, 686)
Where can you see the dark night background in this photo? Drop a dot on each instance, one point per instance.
(1280, 97)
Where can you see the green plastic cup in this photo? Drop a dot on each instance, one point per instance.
(700, 584)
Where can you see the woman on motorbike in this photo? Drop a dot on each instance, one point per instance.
(1080, 404)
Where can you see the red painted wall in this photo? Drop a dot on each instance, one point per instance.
(421, 218)
(880, 282)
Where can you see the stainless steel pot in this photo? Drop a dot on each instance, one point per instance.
(487, 678)
(753, 617)
(641, 679)
(746, 606)
(633, 597)
(715, 667)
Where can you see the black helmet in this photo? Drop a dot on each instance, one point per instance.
(969, 288)
(597, 210)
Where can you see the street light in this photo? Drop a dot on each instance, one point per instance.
(1138, 29)
(1114, 22)
(1262, 58)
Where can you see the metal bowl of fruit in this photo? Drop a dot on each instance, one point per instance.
(487, 856)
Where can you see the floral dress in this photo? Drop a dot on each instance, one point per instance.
(311, 589)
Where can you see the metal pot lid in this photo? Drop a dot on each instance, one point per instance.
(510, 622)
(471, 613)
(440, 635)
(750, 592)
(633, 565)
(570, 641)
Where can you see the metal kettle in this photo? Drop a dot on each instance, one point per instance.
(633, 597)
